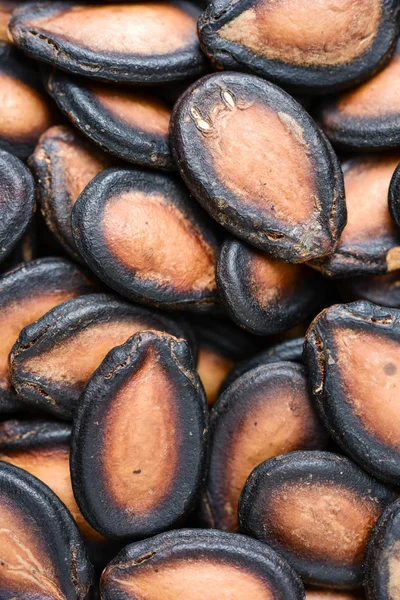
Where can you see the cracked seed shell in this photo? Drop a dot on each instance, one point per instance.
(352, 355)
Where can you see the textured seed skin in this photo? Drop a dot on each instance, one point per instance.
(42, 448)
(382, 557)
(129, 123)
(54, 357)
(317, 510)
(281, 42)
(26, 113)
(27, 293)
(63, 163)
(289, 350)
(351, 356)
(124, 223)
(369, 244)
(314, 594)
(113, 43)
(379, 289)
(25, 250)
(365, 117)
(40, 533)
(143, 417)
(199, 564)
(263, 295)
(394, 196)
(17, 202)
(265, 412)
(224, 130)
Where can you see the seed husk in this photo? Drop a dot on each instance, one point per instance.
(139, 438)
(54, 357)
(39, 533)
(41, 448)
(382, 557)
(366, 117)
(309, 47)
(198, 564)
(379, 289)
(352, 356)
(141, 233)
(63, 163)
(225, 129)
(264, 295)
(26, 112)
(369, 244)
(17, 202)
(130, 123)
(6, 10)
(26, 294)
(265, 412)
(133, 43)
(317, 510)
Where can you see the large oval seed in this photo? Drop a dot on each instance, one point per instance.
(199, 565)
(138, 444)
(54, 357)
(309, 46)
(26, 294)
(127, 122)
(152, 42)
(316, 509)
(63, 164)
(370, 242)
(367, 116)
(25, 113)
(382, 565)
(264, 295)
(266, 412)
(352, 354)
(142, 234)
(255, 160)
(17, 201)
(42, 554)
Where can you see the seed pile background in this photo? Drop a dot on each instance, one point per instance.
(200, 300)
